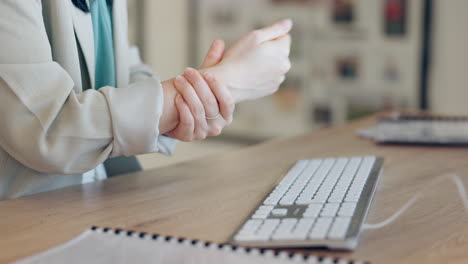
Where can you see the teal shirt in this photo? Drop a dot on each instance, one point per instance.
(101, 14)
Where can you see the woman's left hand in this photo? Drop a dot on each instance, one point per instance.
(204, 104)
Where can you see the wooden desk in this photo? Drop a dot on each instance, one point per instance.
(210, 197)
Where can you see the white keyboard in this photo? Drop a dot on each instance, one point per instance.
(319, 203)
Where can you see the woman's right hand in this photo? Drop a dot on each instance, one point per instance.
(256, 64)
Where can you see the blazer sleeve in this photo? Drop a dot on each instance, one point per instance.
(47, 126)
(140, 72)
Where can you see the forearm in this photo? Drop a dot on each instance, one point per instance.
(170, 117)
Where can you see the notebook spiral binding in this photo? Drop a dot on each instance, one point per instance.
(274, 253)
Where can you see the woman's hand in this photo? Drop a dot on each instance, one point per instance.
(205, 105)
(256, 64)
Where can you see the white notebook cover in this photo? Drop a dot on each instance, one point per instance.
(99, 245)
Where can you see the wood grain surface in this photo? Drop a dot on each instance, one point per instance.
(209, 198)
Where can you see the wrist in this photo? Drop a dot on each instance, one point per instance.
(224, 74)
(170, 116)
(220, 72)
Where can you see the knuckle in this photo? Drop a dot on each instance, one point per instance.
(184, 87)
(286, 66)
(281, 79)
(186, 138)
(210, 101)
(255, 35)
(178, 84)
(216, 130)
(228, 103)
(185, 123)
(202, 128)
(201, 136)
(231, 108)
(198, 111)
(198, 81)
(274, 89)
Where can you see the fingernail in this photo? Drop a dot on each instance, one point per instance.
(208, 77)
(189, 71)
(178, 78)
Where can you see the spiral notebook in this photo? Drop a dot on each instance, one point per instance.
(105, 245)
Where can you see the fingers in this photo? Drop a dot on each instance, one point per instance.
(199, 94)
(195, 105)
(185, 129)
(281, 79)
(215, 54)
(223, 95)
(280, 46)
(274, 31)
(203, 91)
(284, 43)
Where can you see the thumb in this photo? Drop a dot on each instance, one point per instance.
(215, 54)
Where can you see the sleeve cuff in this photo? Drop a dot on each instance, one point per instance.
(135, 112)
(166, 145)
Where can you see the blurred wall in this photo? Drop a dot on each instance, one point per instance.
(449, 73)
(165, 36)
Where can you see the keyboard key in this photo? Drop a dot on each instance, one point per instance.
(330, 209)
(263, 233)
(320, 229)
(265, 208)
(262, 212)
(280, 212)
(347, 209)
(252, 224)
(268, 226)
(293, 173)
(259, 216)
(287, 200)
(303, 227)
(272, 200)
(319, 200)
(284, 230)
(339, 228)
(291, 229)
(313, 210)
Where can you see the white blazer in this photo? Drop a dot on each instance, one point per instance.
(50, 130)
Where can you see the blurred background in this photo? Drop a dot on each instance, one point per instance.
(350, 58)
